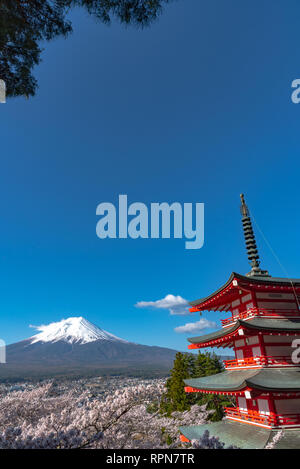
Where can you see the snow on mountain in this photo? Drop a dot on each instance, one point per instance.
(72, 330)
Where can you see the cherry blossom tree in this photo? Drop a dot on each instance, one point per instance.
(39, 419)
(127, 418)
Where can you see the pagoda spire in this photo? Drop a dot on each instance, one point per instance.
(250, 241)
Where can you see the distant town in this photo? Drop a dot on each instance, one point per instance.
(97, 387)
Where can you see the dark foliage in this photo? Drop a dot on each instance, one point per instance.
(24, 24)
(193, 366)
(134, 12)
(175, 399)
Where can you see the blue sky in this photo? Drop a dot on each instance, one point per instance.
(195, 108)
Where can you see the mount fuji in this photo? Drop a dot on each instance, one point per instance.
(75, 330)
(76, 347)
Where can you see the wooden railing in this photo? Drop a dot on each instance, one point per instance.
(259, 361)
(270, 420)
(260, 312)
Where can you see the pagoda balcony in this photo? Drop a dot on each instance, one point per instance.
(270, 420)
(254, 312)
(259, 362)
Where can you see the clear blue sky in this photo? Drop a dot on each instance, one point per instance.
(196, 108)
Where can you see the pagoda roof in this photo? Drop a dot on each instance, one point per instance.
(227, 292)
(268, 379)
(256, 323)
(231, 433)
(243, 436)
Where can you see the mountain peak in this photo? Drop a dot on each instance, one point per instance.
(72, 330)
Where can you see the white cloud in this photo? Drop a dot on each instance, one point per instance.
(175, 304)
(191, 327)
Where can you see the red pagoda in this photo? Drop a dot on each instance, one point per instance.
(263, 377)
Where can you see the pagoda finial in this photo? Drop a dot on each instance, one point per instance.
(250, 241)
(244, 208)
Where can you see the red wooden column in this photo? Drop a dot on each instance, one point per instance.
(272, 408)
(261, 343)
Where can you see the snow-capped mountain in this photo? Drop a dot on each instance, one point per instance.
(76, 347)
(72, 330)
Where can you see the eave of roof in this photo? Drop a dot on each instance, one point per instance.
(226, 381)
(231, 433)
(262, 280)
(268, 379)
(261, 323)
(202, 300)
(214, 335)
(243, 436)
(258, 323)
